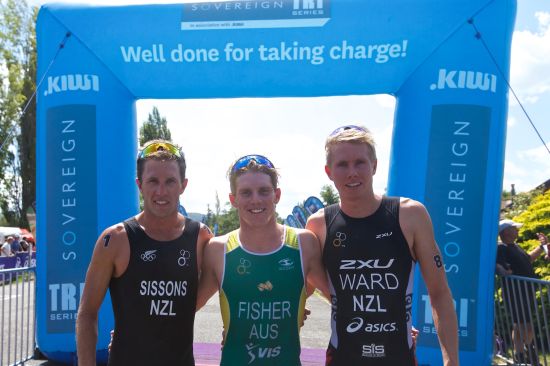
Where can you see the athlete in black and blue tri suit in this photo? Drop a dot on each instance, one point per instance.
(370, 245)
(371, 276)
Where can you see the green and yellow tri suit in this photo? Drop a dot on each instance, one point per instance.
(262, 300)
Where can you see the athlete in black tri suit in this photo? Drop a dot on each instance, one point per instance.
(151, 264)
(370, 244)
(371, 272)
(156, 296)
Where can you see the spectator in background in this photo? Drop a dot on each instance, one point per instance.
(15, 245)
(31, 242)
(24, 245)
(511, 256)
(6, 247)
(513, 260)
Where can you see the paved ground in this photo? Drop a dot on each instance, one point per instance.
(208, 327)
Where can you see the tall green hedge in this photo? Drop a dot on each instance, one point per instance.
(535, 219)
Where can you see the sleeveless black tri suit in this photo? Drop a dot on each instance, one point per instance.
(154, 300)
(370, 270)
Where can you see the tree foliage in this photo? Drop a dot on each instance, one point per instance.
(27, 137)
(17, 129)
(228, 220)
(154, 128)
(536, 219)
(222, 221)
(329, 195)
(520, 202)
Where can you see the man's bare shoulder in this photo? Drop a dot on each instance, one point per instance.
(411, 209)
(318, 215)
(304, 234)
(214, 251)
(308, 240)
(205, 234)
(111, 252)
(116, 229)
(316, 219)
(309, 244)
(113, 236)
(406, 203)
(413, 218)
(204, 228)
(217, 243)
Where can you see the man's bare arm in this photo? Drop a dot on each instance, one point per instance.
(315, 274)
(98, 276)
(316, 224)
(417, 221)
(205, 234)
(212, 264)
(535, 253)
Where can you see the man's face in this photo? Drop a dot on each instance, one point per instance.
(509, 235)
(255, 198)
(161, 187)
(351, 169)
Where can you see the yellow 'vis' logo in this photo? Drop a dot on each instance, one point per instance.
(267, 286)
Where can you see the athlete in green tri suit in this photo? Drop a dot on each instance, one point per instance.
(260, 270)
(262, 302)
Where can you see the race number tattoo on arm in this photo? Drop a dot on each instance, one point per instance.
(438, 261)
(207, 229)
(106, 240)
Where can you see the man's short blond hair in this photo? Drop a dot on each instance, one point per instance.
(350, 134)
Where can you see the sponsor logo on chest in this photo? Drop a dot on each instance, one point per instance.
(286, 264)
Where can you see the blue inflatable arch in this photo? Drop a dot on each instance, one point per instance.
(445, 61)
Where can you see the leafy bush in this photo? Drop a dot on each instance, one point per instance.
(536, 219)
